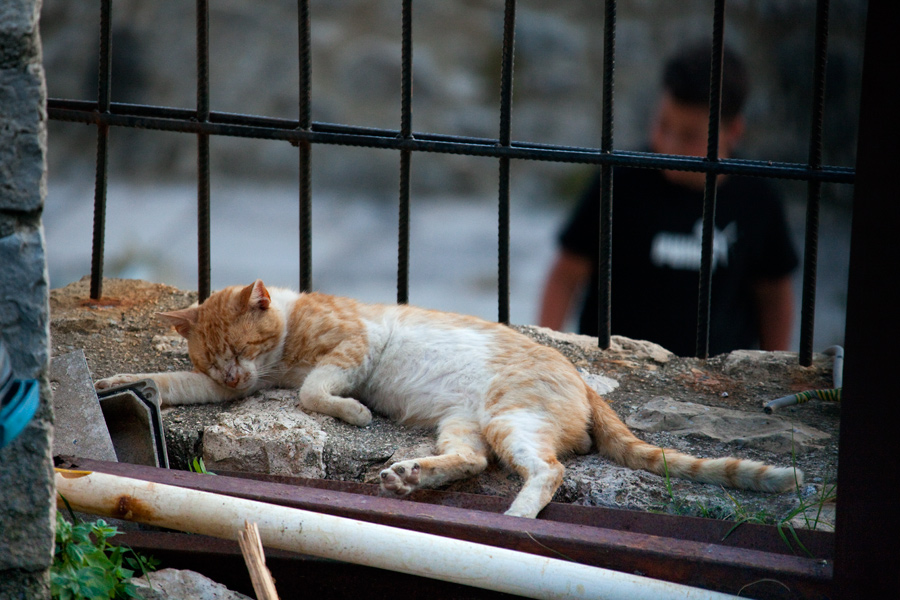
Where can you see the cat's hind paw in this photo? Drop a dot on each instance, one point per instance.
(115, 381)
(400, 479)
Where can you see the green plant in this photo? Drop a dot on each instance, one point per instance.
(732, 510)
(197, 466)
(86, 565)
(826, 494)
(816, 503)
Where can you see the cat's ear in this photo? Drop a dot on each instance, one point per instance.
(256, 295)
(182, 320)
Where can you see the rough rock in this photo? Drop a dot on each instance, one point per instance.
(80, 429)
(26, 479)
(266, 434)
(755, 430)
(711, 408)
(176, 584)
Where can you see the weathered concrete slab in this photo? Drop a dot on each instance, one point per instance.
(80, 429)
(269, 433)
(755, 430)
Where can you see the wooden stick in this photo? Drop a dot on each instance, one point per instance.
(252, 549)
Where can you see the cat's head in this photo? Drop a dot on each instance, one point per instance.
(231, 334)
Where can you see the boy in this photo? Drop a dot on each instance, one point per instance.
(657, 234)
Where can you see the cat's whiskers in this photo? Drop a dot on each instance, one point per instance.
(265, 372)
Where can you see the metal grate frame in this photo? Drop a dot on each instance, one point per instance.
(305, 134)
(867, 528)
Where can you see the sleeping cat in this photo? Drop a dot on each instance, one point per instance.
(486, 388)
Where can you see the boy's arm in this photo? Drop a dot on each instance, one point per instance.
(775, 309)
(565, 281)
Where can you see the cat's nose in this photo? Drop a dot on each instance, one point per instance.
(231, 378)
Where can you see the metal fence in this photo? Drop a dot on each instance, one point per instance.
(305, 134)
(867, 528)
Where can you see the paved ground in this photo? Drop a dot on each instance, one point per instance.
(151, 234)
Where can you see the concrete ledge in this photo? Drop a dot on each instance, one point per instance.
(268, 433)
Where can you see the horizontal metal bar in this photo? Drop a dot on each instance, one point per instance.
(695, 554)
(749, 535)
(230, 124)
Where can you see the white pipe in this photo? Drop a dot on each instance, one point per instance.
(358, 542)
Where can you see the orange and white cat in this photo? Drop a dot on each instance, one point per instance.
(487, 389)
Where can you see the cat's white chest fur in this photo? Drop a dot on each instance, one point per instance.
(418, 372)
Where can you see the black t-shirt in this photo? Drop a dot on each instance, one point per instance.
(656, 231)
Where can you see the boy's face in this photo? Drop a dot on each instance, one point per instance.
(681, 129)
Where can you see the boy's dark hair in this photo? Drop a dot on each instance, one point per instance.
(686, 77)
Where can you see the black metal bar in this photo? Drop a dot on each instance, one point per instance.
(203, 229)
(403, 231)
(704, 299)
(102, 166)
(506, 79)
(303, 127)
(867, 528)
(405, 155)
(814, 188)
(503, 244)
(604, 249)
(99, 231)
(229, 124)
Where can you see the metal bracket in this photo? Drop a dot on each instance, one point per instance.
(135, 424)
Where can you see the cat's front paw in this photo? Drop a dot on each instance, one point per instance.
(358, 415)
(400, 479)
(116, 380)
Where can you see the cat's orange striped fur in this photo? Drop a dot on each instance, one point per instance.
(487, 389)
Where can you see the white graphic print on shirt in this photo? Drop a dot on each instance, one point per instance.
(682, 250)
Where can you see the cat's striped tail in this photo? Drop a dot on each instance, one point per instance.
(615, 441)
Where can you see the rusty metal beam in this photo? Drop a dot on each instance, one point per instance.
(749, 535)
(688, 551)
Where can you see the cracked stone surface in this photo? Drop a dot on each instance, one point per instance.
(708, 408)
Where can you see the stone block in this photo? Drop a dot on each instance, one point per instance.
(27, 503)
(80, 427)
(26, 512)
(24, 321)
(18, 32)
(268, 434)
(175, 584)
(15, 585)
(22, 139)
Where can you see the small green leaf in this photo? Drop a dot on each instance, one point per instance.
(85, 565)
(75, 554)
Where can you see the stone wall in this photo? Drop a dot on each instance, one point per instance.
(456, 71)
(26, 484)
